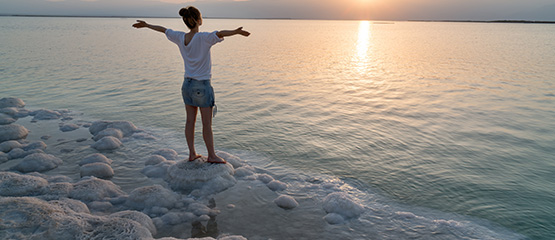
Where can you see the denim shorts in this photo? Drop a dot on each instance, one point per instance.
(198, 93)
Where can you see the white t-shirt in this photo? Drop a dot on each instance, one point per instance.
(196, 55)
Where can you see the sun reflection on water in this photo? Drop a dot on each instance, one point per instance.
(361, 58)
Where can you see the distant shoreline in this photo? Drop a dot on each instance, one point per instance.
(461, 21)
(488, 21)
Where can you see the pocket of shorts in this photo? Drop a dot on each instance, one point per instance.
(199, 92)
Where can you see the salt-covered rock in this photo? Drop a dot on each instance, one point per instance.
(171, 218)
(14, 184)
(11, 102)
(157, 171)
(95, 189)
(11, 111)
(342, 204)
(154, 159)
(38, 162)
(33, 218)
(232, 237)
(113, 132)
(35, 145)
(235, 161)
(97, 169)
(12, 132)
(244, 171)
(126, 127)
(6, 119)
(17, 153)
(9, 145)
(143, 136)
(100, 206)
(69, 127)
(58, 190)
(139, 217)
(206, 177)
(286, 202)
(15, 112)
(94, 158)
(45, 114)
(3, 157)
(69, 204)
(150, 196)
(51, 178)
(276, 185)
(199, 209)
(265, 178)
(167, 153)
(107, 143)
(334, 218)
(120, 228)
(20, 153)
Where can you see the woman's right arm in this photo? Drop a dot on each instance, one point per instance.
(143, 24)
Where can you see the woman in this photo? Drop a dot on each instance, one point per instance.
(197, 91)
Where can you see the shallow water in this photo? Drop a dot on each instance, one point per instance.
(447, 117)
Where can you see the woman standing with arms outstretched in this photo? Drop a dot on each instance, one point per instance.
(197, 90)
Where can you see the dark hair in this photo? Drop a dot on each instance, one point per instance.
(191, 16)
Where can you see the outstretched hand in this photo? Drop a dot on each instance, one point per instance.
(242, 32)
(140, 24)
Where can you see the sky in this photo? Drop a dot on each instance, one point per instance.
(304, 9)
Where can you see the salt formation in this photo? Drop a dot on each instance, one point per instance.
(66, 219)
(154, 159)
(94, 189)
(167, 153)
(45, 114)
(69, 127)
(244, 171)
(13, 184)
(94, 158)
(276, 185)
(204, 177)
(3, 157)
(11, 102)
(9, 145)
(12, 132)
(148, 197)
(158, 170)
(96, 165)
(38, 162)
(126, 127)
(107, 143)
(286, 202)
(35, 145)
(339, 203)
(265, 178)
(139, 217)
(97, 169)
(15, 112)
(6, 119)
(112, 132)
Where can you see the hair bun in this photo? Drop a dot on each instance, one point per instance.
(184, 12)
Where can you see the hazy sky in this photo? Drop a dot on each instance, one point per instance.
(319, 9)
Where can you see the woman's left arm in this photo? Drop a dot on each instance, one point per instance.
(228, 33)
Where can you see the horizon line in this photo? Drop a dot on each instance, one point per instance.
(276, 18)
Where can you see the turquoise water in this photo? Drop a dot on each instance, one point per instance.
(451, 117)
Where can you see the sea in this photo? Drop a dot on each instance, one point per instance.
(441, 130)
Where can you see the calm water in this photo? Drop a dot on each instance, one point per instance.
(454, 117)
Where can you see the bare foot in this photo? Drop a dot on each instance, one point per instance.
(194, 157)
(215, 159)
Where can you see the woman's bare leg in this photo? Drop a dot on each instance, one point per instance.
(190, 131)
(206, 115)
